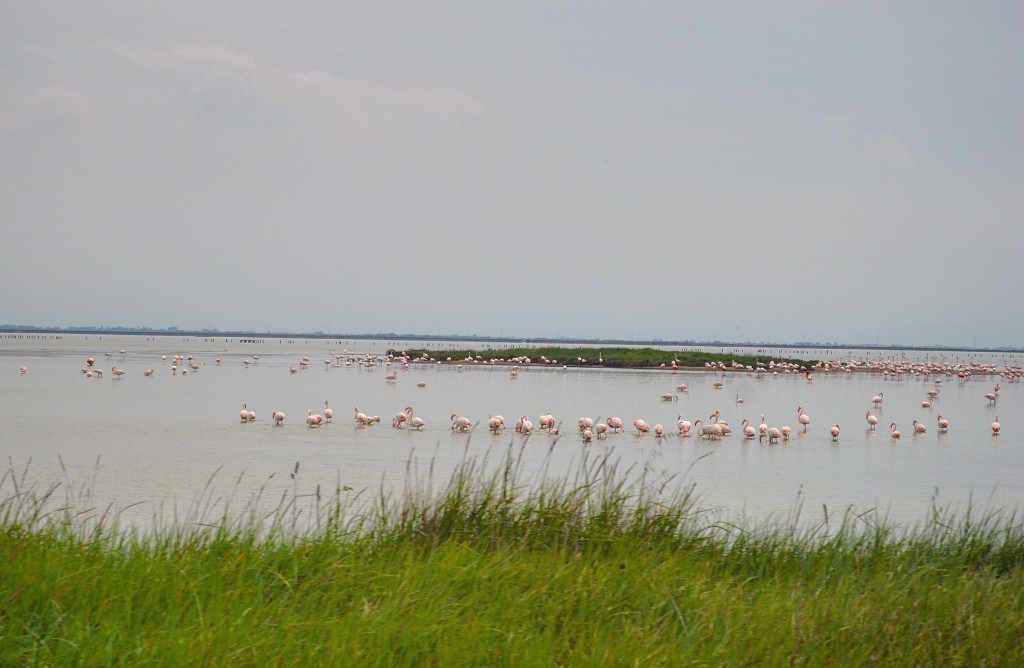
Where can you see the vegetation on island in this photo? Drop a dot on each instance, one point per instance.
(616, 358)
(596, 569)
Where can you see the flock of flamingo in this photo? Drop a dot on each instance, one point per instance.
(713, 429)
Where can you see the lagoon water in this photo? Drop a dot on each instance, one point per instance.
(154, 447)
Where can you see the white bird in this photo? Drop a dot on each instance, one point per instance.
(278, 417)
(117, 372)
(877, 400)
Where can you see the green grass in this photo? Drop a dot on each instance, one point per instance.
(610, 357)
(598, 568)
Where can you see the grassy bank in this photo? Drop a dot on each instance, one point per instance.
(611, 357)
(492, 570)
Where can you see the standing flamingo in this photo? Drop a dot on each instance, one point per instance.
(361, 418)
(877, 400)
(278, 417)
(615, 424)
(684, 426)
(943, 424)
(748, 430)
(641, 426)
(416, 423)
(328, 411)
(919, 428)
(895, 431)
(996, 427)
(802, 417)
(835, 433)
(460, 423)
(785, 432)
(872, 420)
(114, 370)
(243, 414)
(524, 426)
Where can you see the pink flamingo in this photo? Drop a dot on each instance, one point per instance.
(114, 370)
(243, 414)
(278, 417)
(895, 431)
(602, 429)
(615, 424)
(802, 417)
(996, 427)
(361, 418)
(919, 428)
(835, 433)
(547, 421)
(328, 411)
(460, 423)
(785, 432)
(641, 426)
(748, 430)
(684, 426)
(943, 424)
(872, 420)
(524, 426)
(416, 423)
(659, 430)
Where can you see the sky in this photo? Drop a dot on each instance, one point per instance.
(834, 172)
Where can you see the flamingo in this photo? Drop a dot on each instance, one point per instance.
(313, 421)
(244, 414)
(996, 427)
(943, 424)
(278, 417)
(711, 431)
(835, 433)
(585, 423)
(460, 423)
(785, 433)
(659, 431)
(361, 418)
(587, 435)
(877, 400)
(391, 377)
(748, 430)
(399, 419)
(114, 370)
(547, 421)
(872, 420)
(762, 428)
(774, 434)
(895, 431)
(802, 417)
(683, 387)
(494, 424)
(991, 398)
(602, 429)
(670, 397)
(722, 424)
(641, 426)
(524, 426)
(147, 372)
(926, 404)
(739, 399)
(328, 411)
(416, 423)
(684, 426)
(615, 424)
(919, 428)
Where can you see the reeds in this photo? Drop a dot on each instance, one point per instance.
(494, 566)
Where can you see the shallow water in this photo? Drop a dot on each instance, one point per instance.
(156, 445)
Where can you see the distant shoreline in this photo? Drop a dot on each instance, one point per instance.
(522, 341)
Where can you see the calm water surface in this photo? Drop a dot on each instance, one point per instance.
(153, 446)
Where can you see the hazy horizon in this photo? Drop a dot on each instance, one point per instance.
(832, 172)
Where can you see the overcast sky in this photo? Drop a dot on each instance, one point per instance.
(789, 171)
